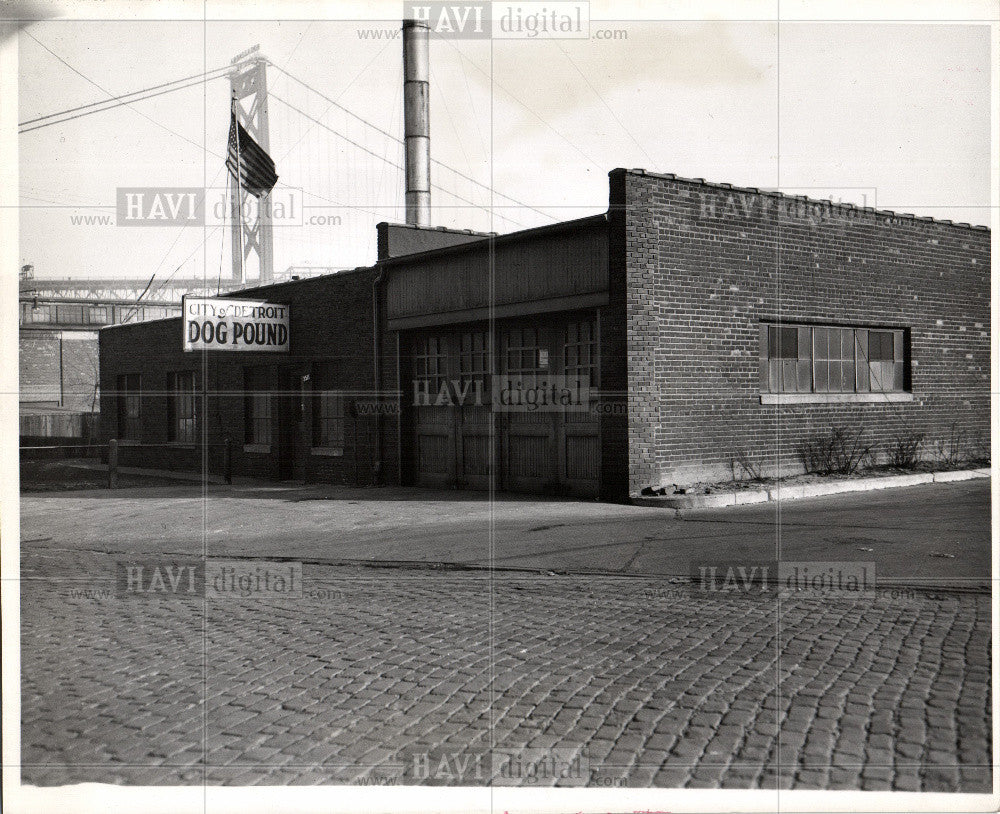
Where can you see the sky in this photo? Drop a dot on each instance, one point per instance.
(890, 115)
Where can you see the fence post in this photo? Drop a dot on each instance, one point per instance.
(113, 463)
(228, 460)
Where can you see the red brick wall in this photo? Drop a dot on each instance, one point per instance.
(330, 320)
(706, 263)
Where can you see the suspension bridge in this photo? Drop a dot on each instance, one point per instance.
(346, 172)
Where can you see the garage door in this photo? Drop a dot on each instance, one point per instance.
(544, 450)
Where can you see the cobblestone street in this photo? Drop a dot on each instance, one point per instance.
(395, 676)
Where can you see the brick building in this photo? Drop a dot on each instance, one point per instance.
(705, 329)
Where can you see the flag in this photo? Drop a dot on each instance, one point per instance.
(257, 174)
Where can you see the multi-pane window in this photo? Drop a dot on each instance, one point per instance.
(181, 403)
(832, 359)
(257, 405)
(98, 315)
(580, 352)
(328, 408)
(788, 359)
(885, 361)
(430, 364)
(474, 365)
(129, 403)
(69, 314)
(523, 355)
(474, 361)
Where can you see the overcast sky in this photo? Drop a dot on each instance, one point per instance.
(893, 115)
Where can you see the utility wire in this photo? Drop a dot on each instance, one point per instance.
(398, 140)
(120, 100)
(125, 96)
(111, 95)
(121, 104)
(381, 157)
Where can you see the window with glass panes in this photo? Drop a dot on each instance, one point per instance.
(257, 405)
(885, 360)
(430, 363)
(788, 359)
(580, 352)
(522, 354)
(328, 408)
(98, 315)
(474, 362)
(834, 359)
(129, 407)
(181, 407)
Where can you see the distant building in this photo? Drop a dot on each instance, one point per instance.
(58, 354)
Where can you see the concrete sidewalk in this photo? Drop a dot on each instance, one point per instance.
(938, 533)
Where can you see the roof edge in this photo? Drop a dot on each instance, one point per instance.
(507, 237)
(668, 176)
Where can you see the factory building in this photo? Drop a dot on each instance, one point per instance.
(693, 331)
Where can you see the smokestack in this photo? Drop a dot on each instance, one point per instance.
(416, 122)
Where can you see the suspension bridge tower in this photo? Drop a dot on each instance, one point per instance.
(251, 225)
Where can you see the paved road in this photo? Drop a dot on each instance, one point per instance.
(938, 532)
(407, 675)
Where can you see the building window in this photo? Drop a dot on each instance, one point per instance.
(257, 405)
(523, 356)
(474, 358)
(129, 403)
(832, 359)
(885, 361)
(69, 314)
(98, 315)
(430, 364)
(580, 352)
(328, 408)
(181, 412)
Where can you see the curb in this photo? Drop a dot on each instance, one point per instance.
(165, 474)
(802, 490)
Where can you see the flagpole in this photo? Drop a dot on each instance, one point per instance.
(239, 189)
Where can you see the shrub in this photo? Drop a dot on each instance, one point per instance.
(954, 449)
(903, 450)
(741, 461)
(838, 452)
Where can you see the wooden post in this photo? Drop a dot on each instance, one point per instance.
(228, 460)
(113, 463)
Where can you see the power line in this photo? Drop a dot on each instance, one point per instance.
(388, 135)
(511, 95)
(111, 95)
(120, 100)
(123, 96)
(383, 158)
(120, 104)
